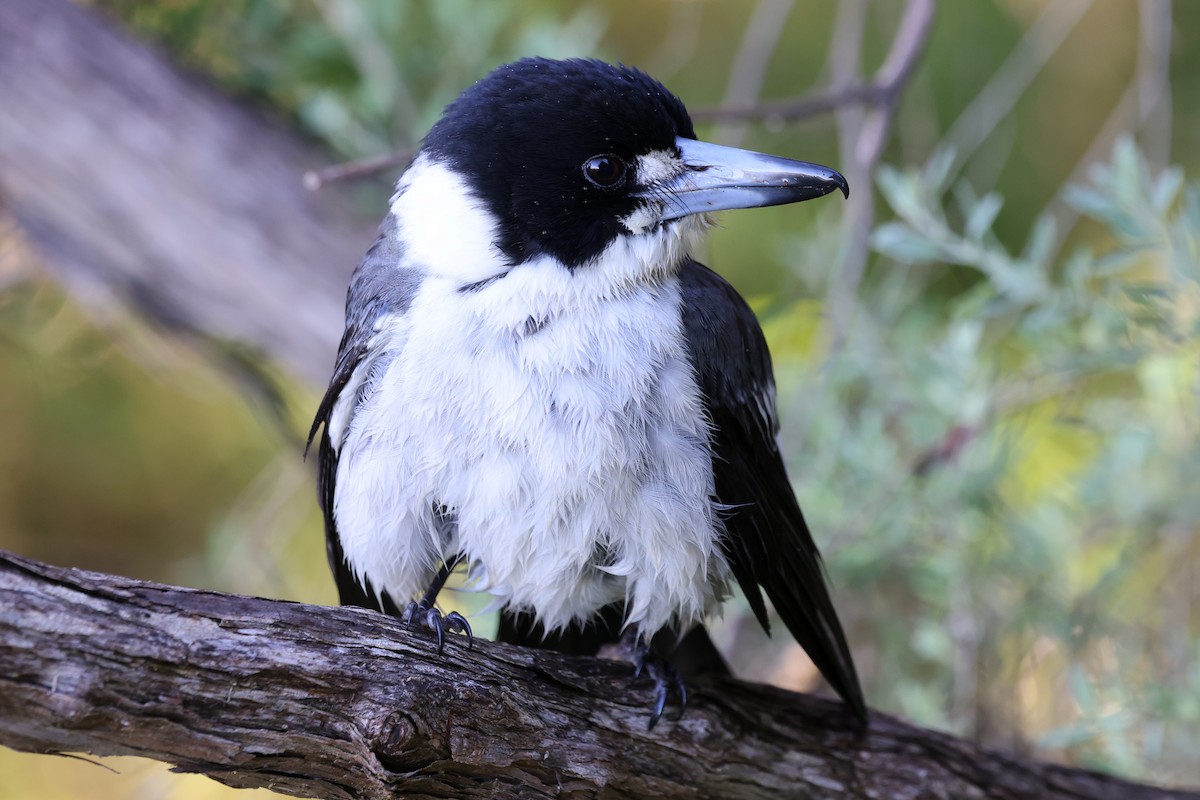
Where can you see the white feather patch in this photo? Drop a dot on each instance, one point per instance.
(445, 229)
(554, 412)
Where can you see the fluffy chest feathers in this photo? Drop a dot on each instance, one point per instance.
(535, 377)
(551, 431)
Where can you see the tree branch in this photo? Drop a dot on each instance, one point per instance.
(141, 183)
(359, 168)
(1148, 91)
(997, 98)
(883, 90)
(345, 703)
(908, 45)
(793, 109)
(749, 70)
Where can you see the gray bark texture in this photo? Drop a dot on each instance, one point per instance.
(143, 183)
(345, 703)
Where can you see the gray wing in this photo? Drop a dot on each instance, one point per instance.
(379, 287)
(767, 541)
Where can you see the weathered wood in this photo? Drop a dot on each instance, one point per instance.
(345, 703)
(142, 183)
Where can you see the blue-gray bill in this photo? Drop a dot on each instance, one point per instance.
(718, 178)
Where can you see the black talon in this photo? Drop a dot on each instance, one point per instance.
(660, 703)
(666, 678)
(457, 623)
(426, 612)
(433, 620)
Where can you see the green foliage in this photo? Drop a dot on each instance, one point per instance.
(999, 457)
(1007, 480)
(367, 77)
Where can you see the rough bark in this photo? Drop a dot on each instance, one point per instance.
(345, 703)
(138, 181)
(141, 182)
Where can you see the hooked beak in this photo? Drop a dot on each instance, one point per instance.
(719, 178)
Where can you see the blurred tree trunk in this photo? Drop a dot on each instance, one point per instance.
(137, 181)
(341, 703)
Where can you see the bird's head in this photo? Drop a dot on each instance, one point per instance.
(567, 158)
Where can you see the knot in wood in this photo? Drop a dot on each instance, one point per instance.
(396, 736)
(401, 746)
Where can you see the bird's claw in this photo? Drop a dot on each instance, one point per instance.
(433, 619)
(666, 680)
(457, 623)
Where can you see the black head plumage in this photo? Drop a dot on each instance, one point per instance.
(522, 135)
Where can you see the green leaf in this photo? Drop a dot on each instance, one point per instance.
(1128, 171)
(1079, 267)
(1041, 242)
(983, 215)
(1104, 208)
(899, 242)
(1166, 189)
(901, 191)
(936, 173)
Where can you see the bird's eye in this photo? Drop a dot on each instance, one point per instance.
(604, 171)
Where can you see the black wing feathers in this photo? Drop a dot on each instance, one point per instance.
(350, 591)
(767, 541)
(377, 287)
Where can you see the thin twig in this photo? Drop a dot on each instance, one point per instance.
(87, 760)
(361, 168)
(997, 98)
(889, 81)
(1133, 110)
(750, 64)
(884, 91)
(893, 75)
(842, 65)
(912, 35)
(788, 110)
(841, 74)
(1154, 80)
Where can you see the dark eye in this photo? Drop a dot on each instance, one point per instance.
(604, 171)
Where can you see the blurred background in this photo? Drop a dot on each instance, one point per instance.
(988, 359)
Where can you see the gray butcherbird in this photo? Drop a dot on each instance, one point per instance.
(538, 381)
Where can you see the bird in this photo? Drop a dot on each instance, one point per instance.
(539, 383)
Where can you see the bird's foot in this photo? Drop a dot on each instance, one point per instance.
(667, 681)
(425, 614)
